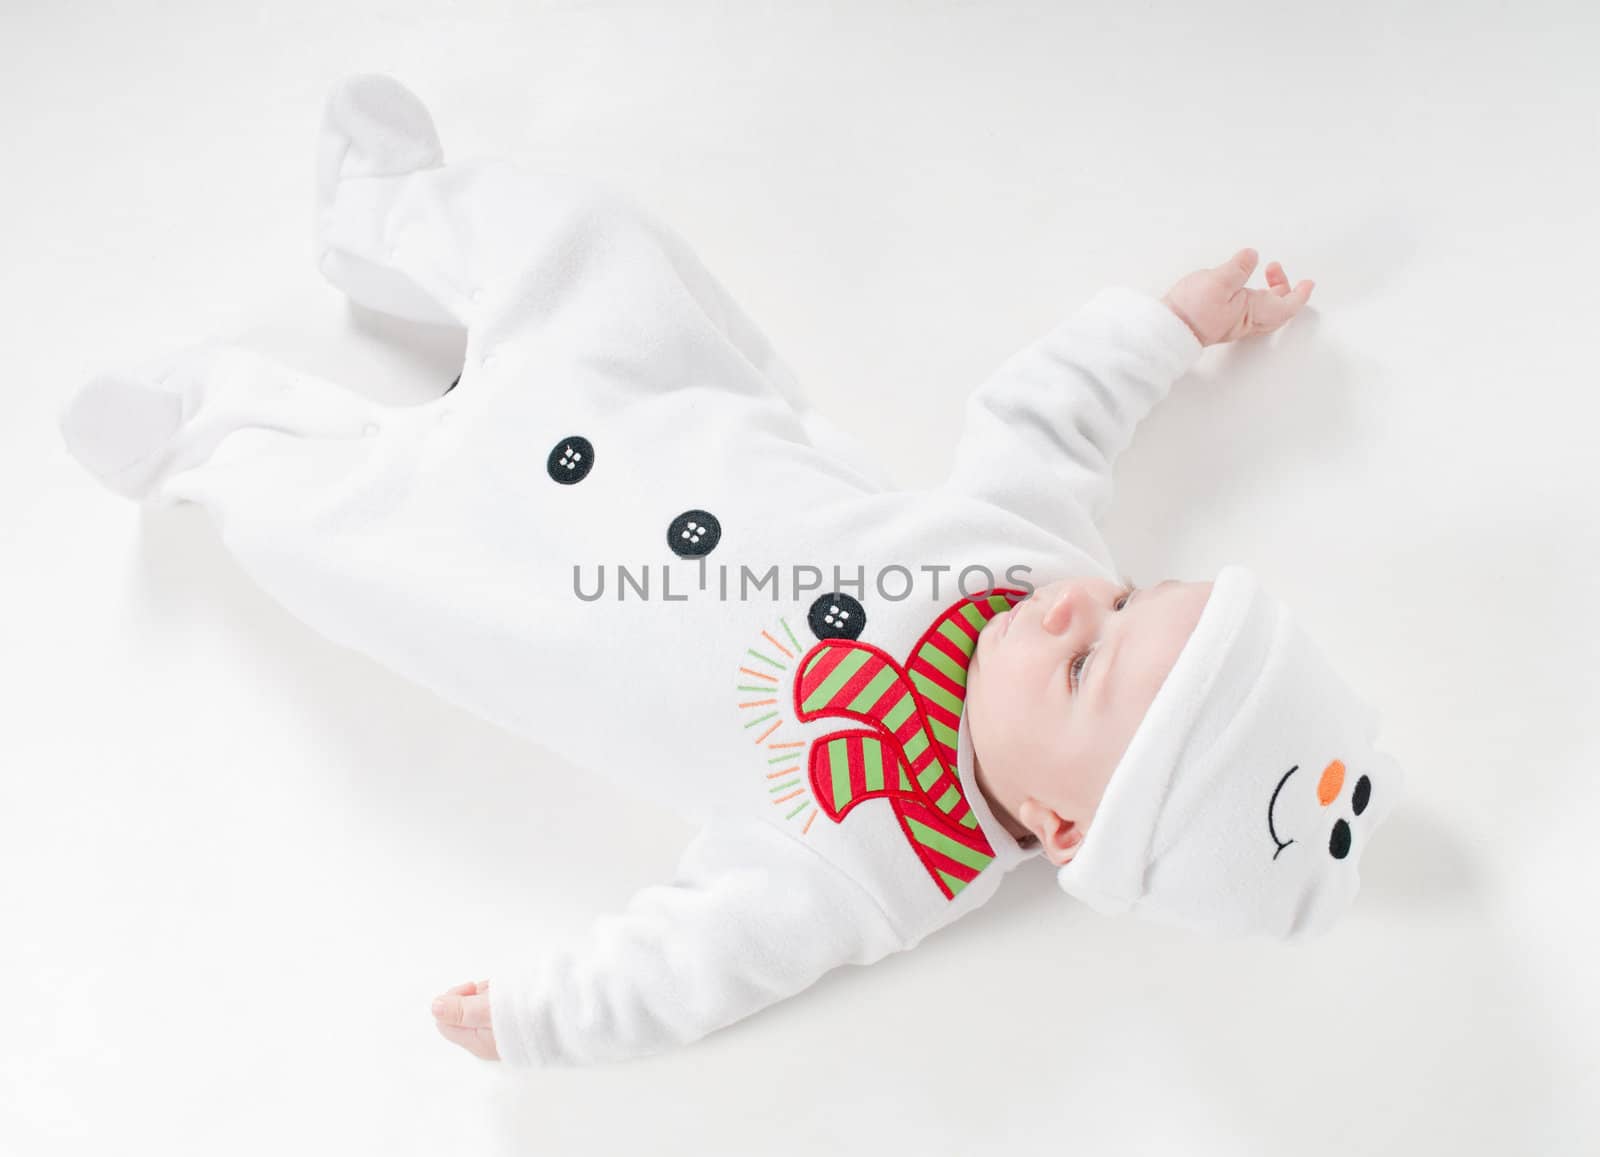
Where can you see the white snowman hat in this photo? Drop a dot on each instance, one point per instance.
(1251, 788)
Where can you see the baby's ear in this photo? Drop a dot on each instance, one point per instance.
(1058, 837)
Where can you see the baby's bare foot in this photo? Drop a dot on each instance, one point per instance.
(462, 1017)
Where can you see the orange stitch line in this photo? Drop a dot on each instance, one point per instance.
(759, 674)
(791, 795)
(796, 743)
(769, 731)
(783, 772)
(758, 703)
(810, 819)
(787, 654)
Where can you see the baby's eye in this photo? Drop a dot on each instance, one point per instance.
(1075, 669)
(1122, 599)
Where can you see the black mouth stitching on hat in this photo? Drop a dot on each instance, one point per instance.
(1272, 831)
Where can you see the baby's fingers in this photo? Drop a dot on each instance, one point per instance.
(1277, 279)
(1270, 310)
(462, 1017)
(1235, 271)
(461, 1010)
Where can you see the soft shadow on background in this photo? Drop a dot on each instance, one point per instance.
(237, 861)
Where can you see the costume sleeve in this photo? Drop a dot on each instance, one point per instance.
(753, 916)
(1042, 433)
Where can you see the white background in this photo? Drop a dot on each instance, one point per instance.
(236, 862)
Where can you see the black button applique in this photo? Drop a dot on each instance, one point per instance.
(571, 460)
(1339, 841)
(837, 616)
(694, 533)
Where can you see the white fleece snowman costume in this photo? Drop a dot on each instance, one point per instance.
(617, 409)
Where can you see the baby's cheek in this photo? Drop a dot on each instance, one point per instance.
(1032, 742)
(1086, 753)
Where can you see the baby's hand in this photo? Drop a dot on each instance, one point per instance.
(1215, 304)
(462, 1017)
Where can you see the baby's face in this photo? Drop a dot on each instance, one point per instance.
(1059, 684)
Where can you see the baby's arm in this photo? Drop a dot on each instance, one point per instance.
(753, 916)
(1042, 433)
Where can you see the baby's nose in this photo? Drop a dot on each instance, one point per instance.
(1059, 617)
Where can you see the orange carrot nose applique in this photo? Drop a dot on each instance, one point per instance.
(1332, 781)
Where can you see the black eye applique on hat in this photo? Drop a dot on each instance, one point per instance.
(1361, 796)
(1329, 786)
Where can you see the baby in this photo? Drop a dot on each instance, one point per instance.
(624, 534)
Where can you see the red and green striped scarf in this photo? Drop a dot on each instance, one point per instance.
(907, 752)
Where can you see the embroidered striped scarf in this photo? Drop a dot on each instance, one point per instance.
(906, 753)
